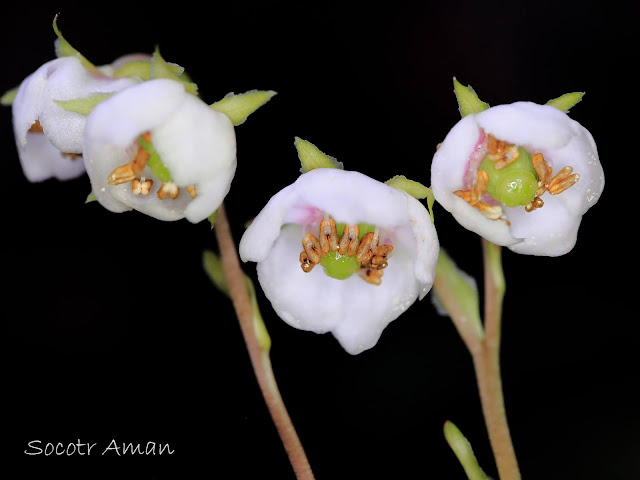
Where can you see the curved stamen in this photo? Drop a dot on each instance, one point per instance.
(328, 236)
(373, 258)
(126, 173)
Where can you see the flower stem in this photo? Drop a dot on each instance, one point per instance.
(483, 342)
(487, 366)
(259, 358)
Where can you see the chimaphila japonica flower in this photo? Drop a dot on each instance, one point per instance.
(520, 175)
(50, 106)
(159, 149)
(48, 136)
(159, 138)
(339, 252)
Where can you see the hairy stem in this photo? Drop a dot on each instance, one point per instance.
(487, 366)
(259, 358)
(483, 342)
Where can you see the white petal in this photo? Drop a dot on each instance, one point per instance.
(60, 79)
(259, 237)
(448, 169)
(198, 146)
(40, 160)
(195, 143)
(356, 312)
(534, 127)
(427, 247)
(551, 230)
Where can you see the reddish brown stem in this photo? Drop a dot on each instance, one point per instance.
(259, 358)
(487, 366)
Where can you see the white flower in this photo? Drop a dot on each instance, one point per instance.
(48, 137)
(355, 310)
(193, 147)
(517, 201)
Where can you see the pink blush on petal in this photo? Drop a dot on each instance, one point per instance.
(305, 215)
(475, 159)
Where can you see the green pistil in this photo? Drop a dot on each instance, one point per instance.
(515, 185)
(154, 163)
(364, 229)
(339, 266)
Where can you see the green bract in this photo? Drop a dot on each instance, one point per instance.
(462, 449)
(159, 68)
(566, 101)
(415, 189)
(239, 107)
(83, 106)
(8, 96)
(468, 101)
(311, 157)
(64, 48)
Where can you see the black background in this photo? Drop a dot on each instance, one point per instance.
(112, 330)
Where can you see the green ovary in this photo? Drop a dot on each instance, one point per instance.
(339, 266)
(515, 185)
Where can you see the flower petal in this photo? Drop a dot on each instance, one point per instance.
(40, 160)
(196, 144)
(355, 311)
(550, 230)
(61, 79)
(448, 169)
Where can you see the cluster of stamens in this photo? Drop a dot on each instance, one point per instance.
(546, 183)
(141, 185)
(371, 256)
(473, 196)
(501, 155)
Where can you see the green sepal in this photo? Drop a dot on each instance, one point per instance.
(8, 97)
(83, 106)
(155, 162)
(64, 48)
(415, 189)
(140, 69)
(468, 101)
(239, 107)
(311, 157)
(462, 449)
(160, 68)
(458, 287)
(567, 101)
(91, 198)
(215, 270)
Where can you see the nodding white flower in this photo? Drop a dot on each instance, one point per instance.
(160, 150)
(48, 136)
(520, 175)
(339, 252)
